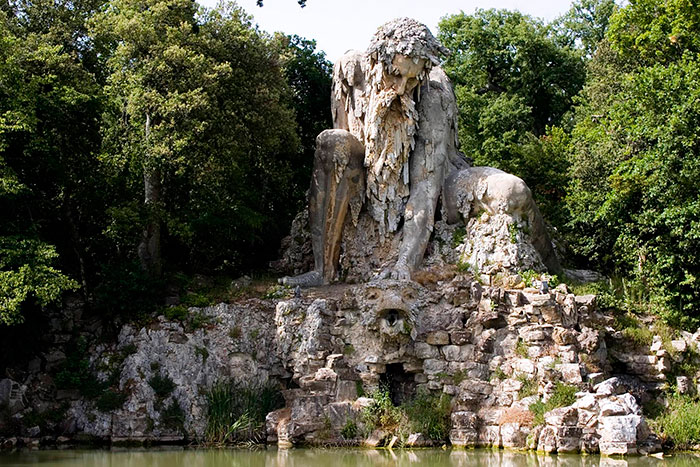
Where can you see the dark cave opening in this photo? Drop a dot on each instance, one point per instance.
(401, 384)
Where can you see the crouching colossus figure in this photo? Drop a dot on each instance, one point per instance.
(392, 155)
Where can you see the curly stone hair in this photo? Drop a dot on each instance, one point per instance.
(408, 37)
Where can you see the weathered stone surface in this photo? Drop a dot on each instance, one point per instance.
(619, 434)
(438, 338)
(563, 416)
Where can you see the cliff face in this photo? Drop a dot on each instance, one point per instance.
(494, 352)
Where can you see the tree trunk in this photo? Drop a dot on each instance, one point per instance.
(149, 248)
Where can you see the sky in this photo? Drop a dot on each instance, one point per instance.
(340, 25)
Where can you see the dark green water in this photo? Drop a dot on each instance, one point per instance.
(324, 458)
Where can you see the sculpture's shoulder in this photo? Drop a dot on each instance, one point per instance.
(439, 79)
(437, 91)
(349, 70)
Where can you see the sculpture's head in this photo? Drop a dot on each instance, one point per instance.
(404, 51)
(398, 60)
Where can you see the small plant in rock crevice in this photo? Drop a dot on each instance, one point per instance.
(563, 395)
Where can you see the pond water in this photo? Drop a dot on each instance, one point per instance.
(324, 458)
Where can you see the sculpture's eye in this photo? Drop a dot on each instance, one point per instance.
(372, 295)
(409, 295)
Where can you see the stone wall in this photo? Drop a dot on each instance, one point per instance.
(493, 351)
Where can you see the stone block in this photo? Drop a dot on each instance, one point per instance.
(438, 338)
(563, 416)
(459, 337)
(424, 350)
(433, 366)
(514, 435)
(570, 373)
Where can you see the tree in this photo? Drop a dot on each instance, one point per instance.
(44, 96)
(635, 153)
(513, 80)
(201, 111)
(585, 24)
(301, 3)
(308, 74)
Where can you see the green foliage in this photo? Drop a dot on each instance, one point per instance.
(382, 414)
(521, 349)
(563, 395)
(634, 332)
(514, 79)
(126, 291)
(173, 417)
(236, 412)
(75, 372)
(458, 236)
(499, 374)
(49, 195)
(202, 352)
(27, 273)
(528, 386)
(162, 385)
(110, 400)
(680, 422)
(585, 24)
(426, 413)
(429, 414)
(632, 199)
(349, 430)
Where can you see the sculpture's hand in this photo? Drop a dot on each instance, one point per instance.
(401, 272)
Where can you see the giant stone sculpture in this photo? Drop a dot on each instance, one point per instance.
(391, 157)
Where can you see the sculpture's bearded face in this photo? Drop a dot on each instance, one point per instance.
(390, 126)
(405, 74)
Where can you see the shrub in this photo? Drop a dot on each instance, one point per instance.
(173, 417)
(382, 413)
(162, 385)
(236, 411)
(563, 395)
(680, 423)
(430, 414)
(110, 400)
(349, 431)
(528, 388)
(521, 349)
(426, 413)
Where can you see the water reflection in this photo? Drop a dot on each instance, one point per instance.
(326, 457)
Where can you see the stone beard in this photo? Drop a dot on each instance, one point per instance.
(390, 128)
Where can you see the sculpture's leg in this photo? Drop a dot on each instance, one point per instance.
(337, 180)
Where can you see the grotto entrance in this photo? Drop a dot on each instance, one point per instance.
(400, 384)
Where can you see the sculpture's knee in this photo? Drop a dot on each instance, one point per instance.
(507, 194)
(339, 147)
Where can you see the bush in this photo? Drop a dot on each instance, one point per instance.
(426, 413)
(680, 422)
(110, 400)
(563, 395)
(173, 417)
(162, 385)
(430, 414)
(382, 413)
(349, 431)
(236, 411)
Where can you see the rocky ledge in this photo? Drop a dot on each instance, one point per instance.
(503, 357)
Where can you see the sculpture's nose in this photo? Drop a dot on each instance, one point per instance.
(401, 85)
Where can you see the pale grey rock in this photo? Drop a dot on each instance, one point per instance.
(619, 434)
